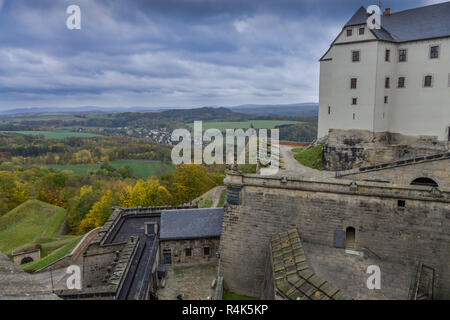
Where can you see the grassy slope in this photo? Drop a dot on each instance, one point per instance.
(52, 257)
(140, 168)
(222, 199)
(311, 158)
(29, 223)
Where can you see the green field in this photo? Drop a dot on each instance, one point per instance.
(57, 135)
(139, 168)
(33, 222)
(257, 124)
(311, 158)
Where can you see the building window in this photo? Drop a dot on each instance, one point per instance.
(354, 101)
(428, 81)
(353, 83)
(354, 116)
(387, 82)
(386, 99)
(402, 55)
(349, 32)
(329, 110)
(427, 182)
(188, 252)
(361, 31)
(350, 238)
(206, 251)
(356, 56)
(387, 55)
(401, 203)
(401, 82)
(434, 52)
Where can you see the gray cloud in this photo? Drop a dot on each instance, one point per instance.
(166, 52)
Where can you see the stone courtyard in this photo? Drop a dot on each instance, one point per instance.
(194, 281)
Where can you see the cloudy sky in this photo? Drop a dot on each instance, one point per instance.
(180, 53)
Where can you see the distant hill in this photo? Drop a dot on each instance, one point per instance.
(31, 222)
(293, 110)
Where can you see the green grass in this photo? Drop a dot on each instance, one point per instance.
(257, 124)
(233, 296)
(52, 257)
(311, 158)
(57, 135)
(248, 168)
(297, 150)
(206, 202)
(30, 223)
(139, 168)
(222, 199)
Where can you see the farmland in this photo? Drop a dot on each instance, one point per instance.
(58, 135)
(139, 168)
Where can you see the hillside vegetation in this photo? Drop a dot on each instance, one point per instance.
(311, 158)
(30, 223)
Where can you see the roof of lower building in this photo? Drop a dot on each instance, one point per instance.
(409, 25)
(191, 223)
(294, 279)
(15, 284)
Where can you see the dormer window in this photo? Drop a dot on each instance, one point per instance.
(349, 32)
(434, 52)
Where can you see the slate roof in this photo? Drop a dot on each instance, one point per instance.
(191, 223)
(294, 279)
(414, 24)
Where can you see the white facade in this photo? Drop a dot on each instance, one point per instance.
(414, 110)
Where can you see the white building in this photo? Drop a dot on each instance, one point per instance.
(395, 79)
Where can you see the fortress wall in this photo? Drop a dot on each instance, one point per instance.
(438, 170)
(268, 206)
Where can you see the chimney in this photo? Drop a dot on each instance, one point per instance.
(387, 12)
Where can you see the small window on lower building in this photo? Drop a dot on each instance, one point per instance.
(329, 110)
(386, 99)
(428, 81)
(354, 116)
(401, 203)
(354, 101)
(361, 31)
(206, 251)
(401, 82)
(188, 252)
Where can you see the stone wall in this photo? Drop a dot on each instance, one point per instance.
(348, 149)
(418, 231)
(26, 257)
(437, 170)
(178, 252)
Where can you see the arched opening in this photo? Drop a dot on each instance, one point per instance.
(26, 260)
(424, 182)
(350, 236)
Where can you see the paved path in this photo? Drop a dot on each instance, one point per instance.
(194, 281)
(295, 169)
(214, 194)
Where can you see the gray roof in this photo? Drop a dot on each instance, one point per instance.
(191, 223)
(414, 24)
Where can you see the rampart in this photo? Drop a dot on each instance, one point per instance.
(399, 224)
